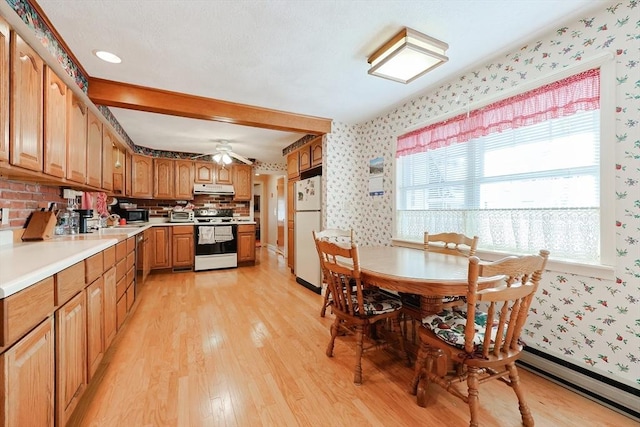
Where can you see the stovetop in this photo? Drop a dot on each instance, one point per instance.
(214, 220)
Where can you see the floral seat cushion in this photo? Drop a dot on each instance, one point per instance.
(376, 302)
(448, 325)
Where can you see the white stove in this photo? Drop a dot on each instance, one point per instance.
(215, 239)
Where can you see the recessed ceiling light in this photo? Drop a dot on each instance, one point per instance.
(107, 56)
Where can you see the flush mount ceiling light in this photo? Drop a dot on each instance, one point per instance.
(407, 56)
(107, 56)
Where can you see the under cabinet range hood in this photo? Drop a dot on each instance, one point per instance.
(213, 189)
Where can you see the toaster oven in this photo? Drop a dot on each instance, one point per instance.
(181, 216)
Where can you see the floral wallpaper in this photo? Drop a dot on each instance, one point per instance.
(589, 322)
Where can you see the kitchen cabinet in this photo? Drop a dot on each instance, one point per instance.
(242, 182)
(83, 160)
(55, 124)
(28, 399)
(182, 246)
(26, 104)
(290, 224)
(108, 140)
(119, 168)
(304, 158)
(183, 180)
(316, 152)
(141, 177)
(95, 325)
(224, 174)
(246, 243)
(4, 89)
(161, 252)
(128, 182)
(110, 304)
(93, 130)
(203, 173)
(71, 355)
(293, 165)
(163, 178)
(143, 262)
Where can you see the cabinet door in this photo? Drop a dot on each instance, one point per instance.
(204, 173)
(247, 246)
(95, 325)
(184, 179)
(141, 177)
(55, 124)
(27, 77)
(119, 168)
(4, 89)
(242, 182)
(71, 356)
(161, 253)
(81, 159)
(109, 322)
(293, 166)
(224, 174)
(94, 149)
(27, 399)
(107, 159)
(163, 178)
(304, 159)
(316, 152)
(183, 250)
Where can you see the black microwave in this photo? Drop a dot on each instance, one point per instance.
(135, 215)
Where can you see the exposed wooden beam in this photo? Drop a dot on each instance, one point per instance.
(124, 95)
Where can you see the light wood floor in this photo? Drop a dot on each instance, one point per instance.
(246, 347)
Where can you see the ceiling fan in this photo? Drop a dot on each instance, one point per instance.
(223, 154)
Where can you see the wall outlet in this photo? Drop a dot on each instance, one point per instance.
(4, 216)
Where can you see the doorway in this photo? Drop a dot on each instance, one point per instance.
(258, 210)
(281, 214)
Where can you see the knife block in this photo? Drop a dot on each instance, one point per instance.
(41, 226)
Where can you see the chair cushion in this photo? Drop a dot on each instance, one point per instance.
(448, 325)
(376, 302)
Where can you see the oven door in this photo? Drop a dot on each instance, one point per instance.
(216, 246)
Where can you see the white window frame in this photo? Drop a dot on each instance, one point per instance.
(605, 61)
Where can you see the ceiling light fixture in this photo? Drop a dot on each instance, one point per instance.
(222, 158)
(407, 56)
(107, 56)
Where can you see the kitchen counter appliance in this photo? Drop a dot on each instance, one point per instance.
(182, 216)
(216, 239)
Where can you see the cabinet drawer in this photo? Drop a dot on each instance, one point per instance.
(121, 250)
(182, 229)
(121, 269)
(109, 257)
(24, 310)
(93, 267)
(69, 282)
(121, 287)
(131, 275)
(121, 311)
(130, 296)
(246, 228)
(131, 244)
(131, 260)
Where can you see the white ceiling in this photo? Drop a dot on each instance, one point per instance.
(306, 57)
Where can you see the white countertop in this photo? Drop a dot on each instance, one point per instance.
(23, 264)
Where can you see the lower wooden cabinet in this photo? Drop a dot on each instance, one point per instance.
(95, 325)
(161, 249)
(28, 399)
(246, 243)
(71, 356)
(183, 248)
(110, 325)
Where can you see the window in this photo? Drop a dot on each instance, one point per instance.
(523, 174)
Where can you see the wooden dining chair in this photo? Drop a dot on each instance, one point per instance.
(357, 310)
(333, 235)
(484, 336)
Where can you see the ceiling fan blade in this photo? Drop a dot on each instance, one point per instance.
(241, 158)
(200, 155)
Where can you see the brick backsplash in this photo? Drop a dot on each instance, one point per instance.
(159, 207)
(23, 198)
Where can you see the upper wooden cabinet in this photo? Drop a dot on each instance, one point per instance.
(304, 158)
(184, 179)
(293, 165)
(316, 152)
(119, 168)
(141, 177)
(203, 172)
(242, 182)
(4, 89)
(224, 174)
(128, 181)
(93, 129)
(163, 178)
(82, 161)
(55, 125)
(27, 77)
(107, 159)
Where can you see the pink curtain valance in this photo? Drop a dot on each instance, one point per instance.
(580, 92)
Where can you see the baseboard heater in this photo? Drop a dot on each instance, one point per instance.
(610, 393)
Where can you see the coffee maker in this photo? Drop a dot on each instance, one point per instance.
(85, 216)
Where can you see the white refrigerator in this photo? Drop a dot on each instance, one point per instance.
(308, 216)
